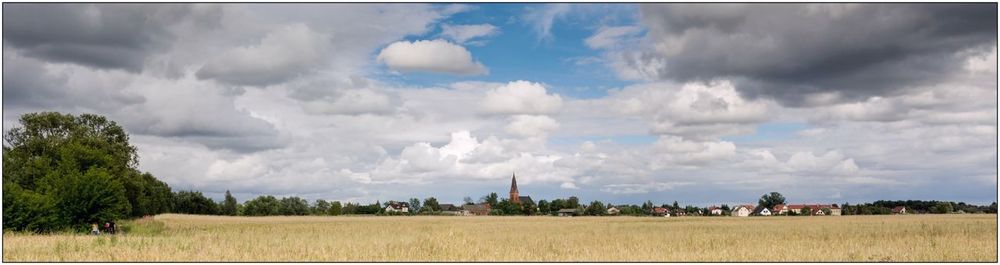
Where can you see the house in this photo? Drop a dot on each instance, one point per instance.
(397, 207)
(566, 212)
(762, 211)
(797, 208)
(779, 209)
(714, 210)
(478, 209)
(453, 210)
(899, 210)
(661, 211)
(613, 210)
(742, 210)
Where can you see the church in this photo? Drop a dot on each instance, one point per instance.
(515, 196)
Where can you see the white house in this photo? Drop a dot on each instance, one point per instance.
(397, 207)
(764, 211)
(613, 210)
(714, 210)
(742, 210)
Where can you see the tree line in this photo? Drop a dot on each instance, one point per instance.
(64, 172)
(916, 206)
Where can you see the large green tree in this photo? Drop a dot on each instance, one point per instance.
(193, 202)
(64, 171)
(229, 205)
(294, 206)
(543, 207)
(321, 207)
(336, 208)
(432, 204)
(262, 206)
(492, 199)
(596, 208)
(573, 202)
(771, 199)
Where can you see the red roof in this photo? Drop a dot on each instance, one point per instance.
(811, 206)
(659, 210)
(778, 208)
(898, 209)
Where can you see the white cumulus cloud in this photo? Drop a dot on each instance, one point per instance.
(438, 56)
(520, 97)
(531, 125)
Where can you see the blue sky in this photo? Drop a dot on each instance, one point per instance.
(698, 103)
(520, 52)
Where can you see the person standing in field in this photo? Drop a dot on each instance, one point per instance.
(114, 229)
(93, 229)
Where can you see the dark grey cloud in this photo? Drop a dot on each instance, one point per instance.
(27, 84)
(110, 36)
(789, 51)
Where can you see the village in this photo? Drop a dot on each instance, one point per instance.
(527, 206)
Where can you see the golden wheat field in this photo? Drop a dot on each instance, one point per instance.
(173, 237)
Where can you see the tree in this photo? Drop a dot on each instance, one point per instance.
(262, 206)
(294, 206)
(543, 207)
(942, 207)
(556, 205)
(675, 206)
(596, 208)
(505, 207)
(491, 199)
(350, 208)
(229, 205)
(993, 208)
(146, 195)
(50, 151)
(414, 205)
(771, 199)
(93, 197)
(336, 208)
(468, 200)
(431, 204)
(647, 206)
(529, 208)
(573, 202)
(321, 207)
(193, 202)
(806, 211)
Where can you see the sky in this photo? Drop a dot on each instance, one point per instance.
(698, 103)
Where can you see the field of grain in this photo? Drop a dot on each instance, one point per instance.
(172, 237)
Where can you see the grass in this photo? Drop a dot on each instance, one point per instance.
(173, 237)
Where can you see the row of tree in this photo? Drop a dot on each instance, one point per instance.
(916, 206)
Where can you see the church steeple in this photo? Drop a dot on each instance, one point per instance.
(514, 196)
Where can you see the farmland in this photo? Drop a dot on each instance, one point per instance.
(172, 237)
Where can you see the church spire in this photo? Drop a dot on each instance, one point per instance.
(513, 184)
(514, 195)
